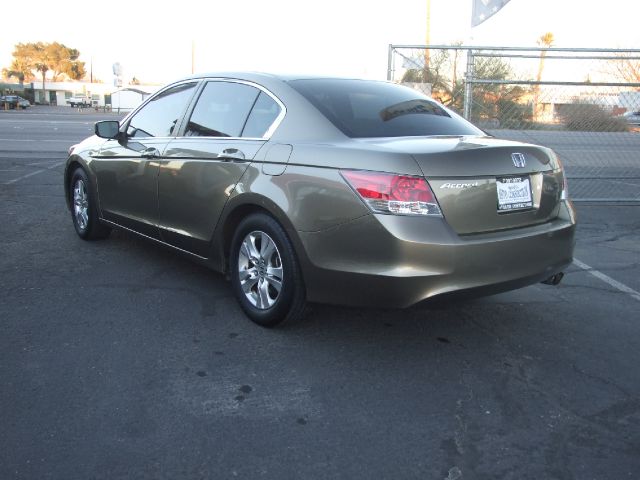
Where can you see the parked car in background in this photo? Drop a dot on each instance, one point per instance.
(80, 101)
(14, 101)
(327, 190)
(23, 102)
(8, 101)
(632, 118)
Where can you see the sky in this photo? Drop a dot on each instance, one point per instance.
(153, 41)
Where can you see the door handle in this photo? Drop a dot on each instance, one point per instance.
(150, 152)
(231, 154)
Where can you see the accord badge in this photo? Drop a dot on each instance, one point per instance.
(459, 185)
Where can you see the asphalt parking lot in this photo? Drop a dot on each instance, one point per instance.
(119, 359)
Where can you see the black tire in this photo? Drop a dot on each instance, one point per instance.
(84, 212)
(262, 302)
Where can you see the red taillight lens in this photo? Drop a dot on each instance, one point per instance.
(411, 189)
(397, 194)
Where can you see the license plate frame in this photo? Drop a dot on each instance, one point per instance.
(513, 194)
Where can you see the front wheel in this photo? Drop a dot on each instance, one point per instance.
(84, 211)
(265, 274)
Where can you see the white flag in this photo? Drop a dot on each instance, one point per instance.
(483, 9)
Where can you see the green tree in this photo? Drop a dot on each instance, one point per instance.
(22, 65)
(491, 101)
(442, 74)
(500, 101)
(41, 58)
(64, 62)
(18, 69)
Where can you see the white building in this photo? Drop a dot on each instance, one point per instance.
(129, 98)
(101, 94)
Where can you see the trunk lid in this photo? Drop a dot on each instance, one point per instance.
(468, 174)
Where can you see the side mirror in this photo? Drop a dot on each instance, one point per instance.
(107, 129)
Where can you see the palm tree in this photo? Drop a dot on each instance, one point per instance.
(545, 41)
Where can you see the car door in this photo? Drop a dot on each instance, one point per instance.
(127, 169)
(230, 122)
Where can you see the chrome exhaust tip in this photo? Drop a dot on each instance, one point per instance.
(554, 279)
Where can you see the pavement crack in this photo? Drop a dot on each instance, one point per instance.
(465, 449)
(605, 381)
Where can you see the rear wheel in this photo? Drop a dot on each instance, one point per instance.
(265, 273)
(84, 212)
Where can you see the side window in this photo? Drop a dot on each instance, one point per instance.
(264, 113)
(222, 110)
(159, 117)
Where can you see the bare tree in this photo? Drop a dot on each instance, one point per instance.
(626, 68)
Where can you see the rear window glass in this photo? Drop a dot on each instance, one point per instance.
(264, 113)
(361, 108)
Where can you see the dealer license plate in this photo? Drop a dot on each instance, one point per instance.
(514, 193)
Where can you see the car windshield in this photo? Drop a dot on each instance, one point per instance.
(361, 108)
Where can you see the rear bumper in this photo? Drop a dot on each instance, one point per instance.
(396, 261)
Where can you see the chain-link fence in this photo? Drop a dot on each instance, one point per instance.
(583, 103)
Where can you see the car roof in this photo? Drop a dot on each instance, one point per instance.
(264, 76)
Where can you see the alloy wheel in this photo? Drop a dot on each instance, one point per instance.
(260, 270)
(80, 204)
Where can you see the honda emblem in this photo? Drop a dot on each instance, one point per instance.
(519, 160)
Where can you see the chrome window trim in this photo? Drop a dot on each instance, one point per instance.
(126, 121)
(219, 139)
(274, 125)
(189, 110)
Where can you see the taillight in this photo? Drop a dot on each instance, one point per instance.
(564, 193)
(396, 194)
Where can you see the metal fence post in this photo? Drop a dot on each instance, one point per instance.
(468, 92)
(390, 64)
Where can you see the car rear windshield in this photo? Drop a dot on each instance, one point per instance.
(361, 108)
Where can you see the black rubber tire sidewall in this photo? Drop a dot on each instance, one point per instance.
(94, 229)
(290, 304)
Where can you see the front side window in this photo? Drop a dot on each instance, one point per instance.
(361, 108)
(222, 110)
(161, 115)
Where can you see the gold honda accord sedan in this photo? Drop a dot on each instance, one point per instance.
(308, 189)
